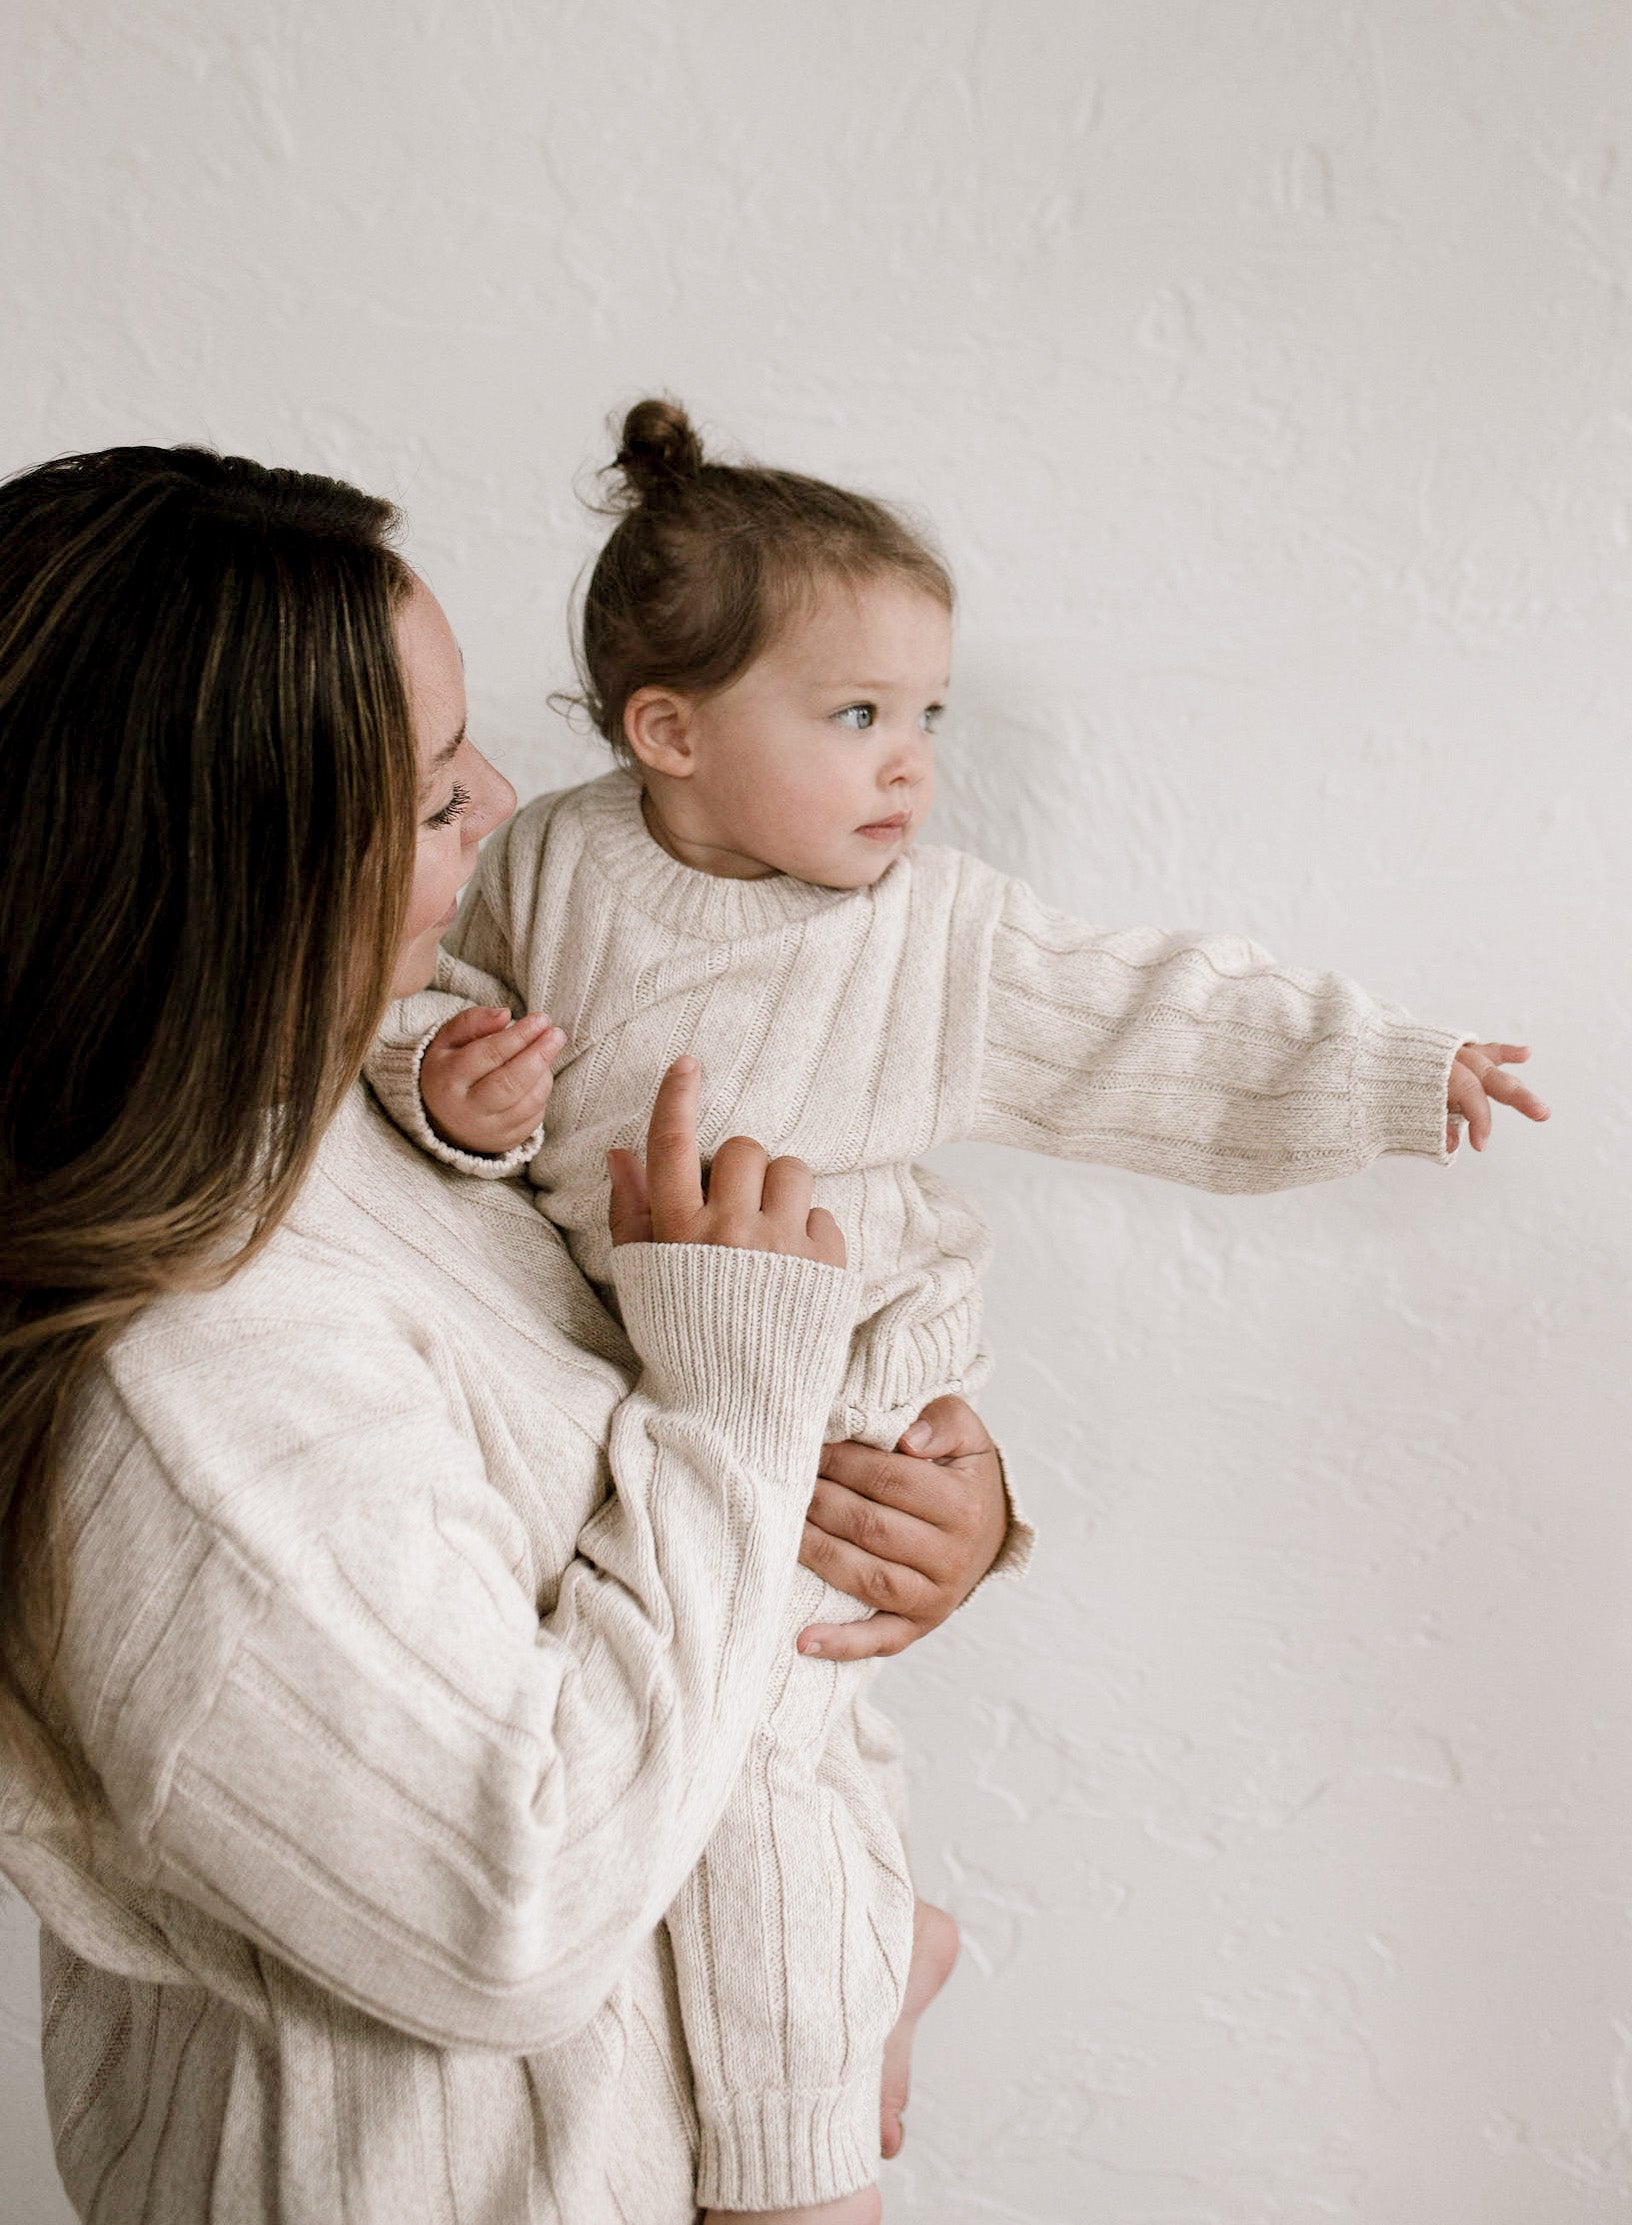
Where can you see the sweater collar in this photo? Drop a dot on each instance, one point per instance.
(691, 903)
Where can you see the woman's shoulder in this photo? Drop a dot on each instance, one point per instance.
(393, 1299)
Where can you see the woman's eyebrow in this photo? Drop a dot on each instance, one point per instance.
(449, 749)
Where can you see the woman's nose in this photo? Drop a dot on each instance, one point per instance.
(495, 799)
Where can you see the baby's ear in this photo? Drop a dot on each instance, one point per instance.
(657, 727)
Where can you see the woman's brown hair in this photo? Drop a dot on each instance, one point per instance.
(208, 836)
(709, 560)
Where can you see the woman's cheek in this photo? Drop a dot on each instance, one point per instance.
(437, 881)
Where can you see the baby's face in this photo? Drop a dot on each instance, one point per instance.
(819, 760)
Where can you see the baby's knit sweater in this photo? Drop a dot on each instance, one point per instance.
(857, 1030)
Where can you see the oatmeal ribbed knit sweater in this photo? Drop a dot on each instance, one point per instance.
(387, 1730)
(858, 1030)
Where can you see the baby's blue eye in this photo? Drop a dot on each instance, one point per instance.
(858, 716)
(932, 717)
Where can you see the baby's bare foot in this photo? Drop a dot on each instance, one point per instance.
(934, 1951)
(863, 2208)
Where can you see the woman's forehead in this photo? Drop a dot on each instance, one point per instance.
(434, 674)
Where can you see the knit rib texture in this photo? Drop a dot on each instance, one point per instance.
(858, 1030)
(385, 1729)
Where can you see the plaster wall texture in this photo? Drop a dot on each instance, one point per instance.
(1264, 365)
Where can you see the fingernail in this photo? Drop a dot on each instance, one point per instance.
(919, 1434)
(684, 1064)
(810, 1645)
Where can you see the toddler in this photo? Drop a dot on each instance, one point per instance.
(768, 656)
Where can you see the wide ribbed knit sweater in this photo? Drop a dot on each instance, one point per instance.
(858, 1030)
(386, 1729)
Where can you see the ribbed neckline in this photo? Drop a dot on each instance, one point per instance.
(700, 904)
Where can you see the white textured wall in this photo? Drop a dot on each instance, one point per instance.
(1266, 365)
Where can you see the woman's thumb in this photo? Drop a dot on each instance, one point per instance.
(945, 1430)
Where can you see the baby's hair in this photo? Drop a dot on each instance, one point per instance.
(708, 561)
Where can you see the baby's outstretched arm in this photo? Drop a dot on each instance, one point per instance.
(485, 1078)
(1477, 1081)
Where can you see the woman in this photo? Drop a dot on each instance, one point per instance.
(353, 1735)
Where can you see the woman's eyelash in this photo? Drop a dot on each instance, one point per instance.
(453, 809)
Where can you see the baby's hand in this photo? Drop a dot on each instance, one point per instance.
(485, 1078)
(1476, 1078)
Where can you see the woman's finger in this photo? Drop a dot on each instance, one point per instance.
(895, 1479)
(889, 1586)
(629, 1213)
(865, 1640)
(884, 1531)
(674, 1172)
(947, 1429)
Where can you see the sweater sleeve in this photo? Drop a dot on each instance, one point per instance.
(392, 1066)
(1197, 1058)
(361, 1746)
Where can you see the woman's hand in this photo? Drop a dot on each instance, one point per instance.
(907, 1533)
(751, 1201)
(1477, 1078)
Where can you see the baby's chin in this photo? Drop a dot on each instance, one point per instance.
(847, 873)
(849, 862)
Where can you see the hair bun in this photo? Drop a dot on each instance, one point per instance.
(658, 448)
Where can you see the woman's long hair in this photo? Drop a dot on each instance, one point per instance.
(207, 840)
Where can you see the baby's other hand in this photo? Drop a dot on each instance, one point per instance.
(485, 1078)
(1476, 1080)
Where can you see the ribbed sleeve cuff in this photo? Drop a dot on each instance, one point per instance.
(757, 1340)
(1019, 1538)
(780, 2151)
(1401, 1074)
(393, 1075)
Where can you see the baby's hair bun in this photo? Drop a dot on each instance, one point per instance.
(658, 449)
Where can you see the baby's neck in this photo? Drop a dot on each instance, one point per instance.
(693, 848)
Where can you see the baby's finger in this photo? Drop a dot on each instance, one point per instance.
(491, 1052)
(736, 1183)
(1507, 1089)
(789, 1185)
(1475, 1106)
(470, 1026)
(825, 1237)
(630, 1214)
(524, 1074)
(674, 1172)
